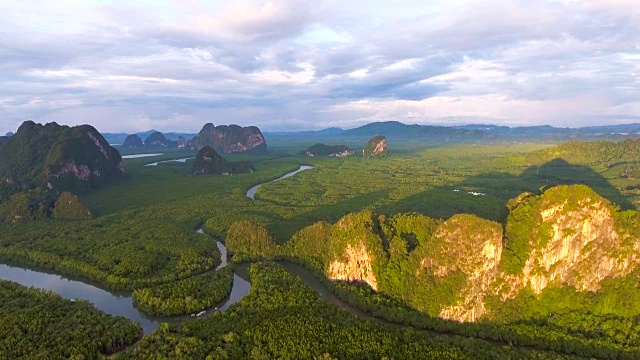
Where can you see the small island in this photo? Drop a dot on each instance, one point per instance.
(329, 150)
(208, 161)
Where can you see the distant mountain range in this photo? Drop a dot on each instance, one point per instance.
(395, 130)
(118, 138)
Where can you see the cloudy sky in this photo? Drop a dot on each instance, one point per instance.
(286, 65)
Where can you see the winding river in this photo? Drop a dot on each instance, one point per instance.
(121, 304)
(117, 304)
(182, 160)
(251, 193)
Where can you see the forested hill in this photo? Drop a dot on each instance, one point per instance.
(466, 133)
(593, 153)
(395, 129)
(57, 157)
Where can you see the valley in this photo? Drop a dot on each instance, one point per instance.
(140, 240)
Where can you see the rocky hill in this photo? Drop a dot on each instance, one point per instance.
(376, 147)
(41, 161)
(132, 141)
(568, 242)
(58, 157)
(328, 150)
(208, 161)
(158, 140)
(230, 139)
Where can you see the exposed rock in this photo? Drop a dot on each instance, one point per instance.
(208, 161)
(582, 247)
(569, 236)
(230, 139)
(376, 147)
(132, 141)
(473, 246)
(356, 267)
(157, 139)
(58, 158)
(575, 242)
(182, 142)
(9, 134)
(328, 150)
(355, 250)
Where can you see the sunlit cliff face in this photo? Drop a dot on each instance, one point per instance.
(356, 268)
(580, 246)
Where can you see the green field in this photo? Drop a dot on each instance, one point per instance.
(142, 233)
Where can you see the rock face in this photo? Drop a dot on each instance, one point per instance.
(569, 235)
(356, 266)
(182, 142)
(230, 139)
(376, 147)
(328, 150)
(208, 161)
(461, 269)
(58, 157)
(472, 246)
(354, 250)
(158, 140)
(132, 141)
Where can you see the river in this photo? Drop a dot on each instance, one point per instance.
(121, 304)
(117, 304)
(251, 193)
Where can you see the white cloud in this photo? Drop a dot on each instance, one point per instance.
(291, 63)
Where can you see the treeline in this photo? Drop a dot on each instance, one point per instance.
(40, 324)
(283, 318)
(409, 295)
(591, 153)
(186, 296)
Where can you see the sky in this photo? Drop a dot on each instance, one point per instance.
(128, 66)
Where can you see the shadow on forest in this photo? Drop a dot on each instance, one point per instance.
(285, 228)
(493, 191)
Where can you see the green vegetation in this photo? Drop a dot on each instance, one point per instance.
(142, 237)
(185, 296)
(248, 241)
(125, 251)
(65, 158)
(376, 147)
(209, 162)
(41, 325)
(328, 150)
(283, 318)
(68, 206)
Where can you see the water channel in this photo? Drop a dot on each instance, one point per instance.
(121, 304)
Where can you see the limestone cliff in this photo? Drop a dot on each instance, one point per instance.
(208, 161)
(376, 147)
(472, 246)
(132, 141)
(355, 250)
(572, 238)
(230, 139)
(158, 140)
(57, 157)
(354, 266)
(577, 242)
(568, 236)
(328, 150)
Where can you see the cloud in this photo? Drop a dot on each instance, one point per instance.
(174, 65)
